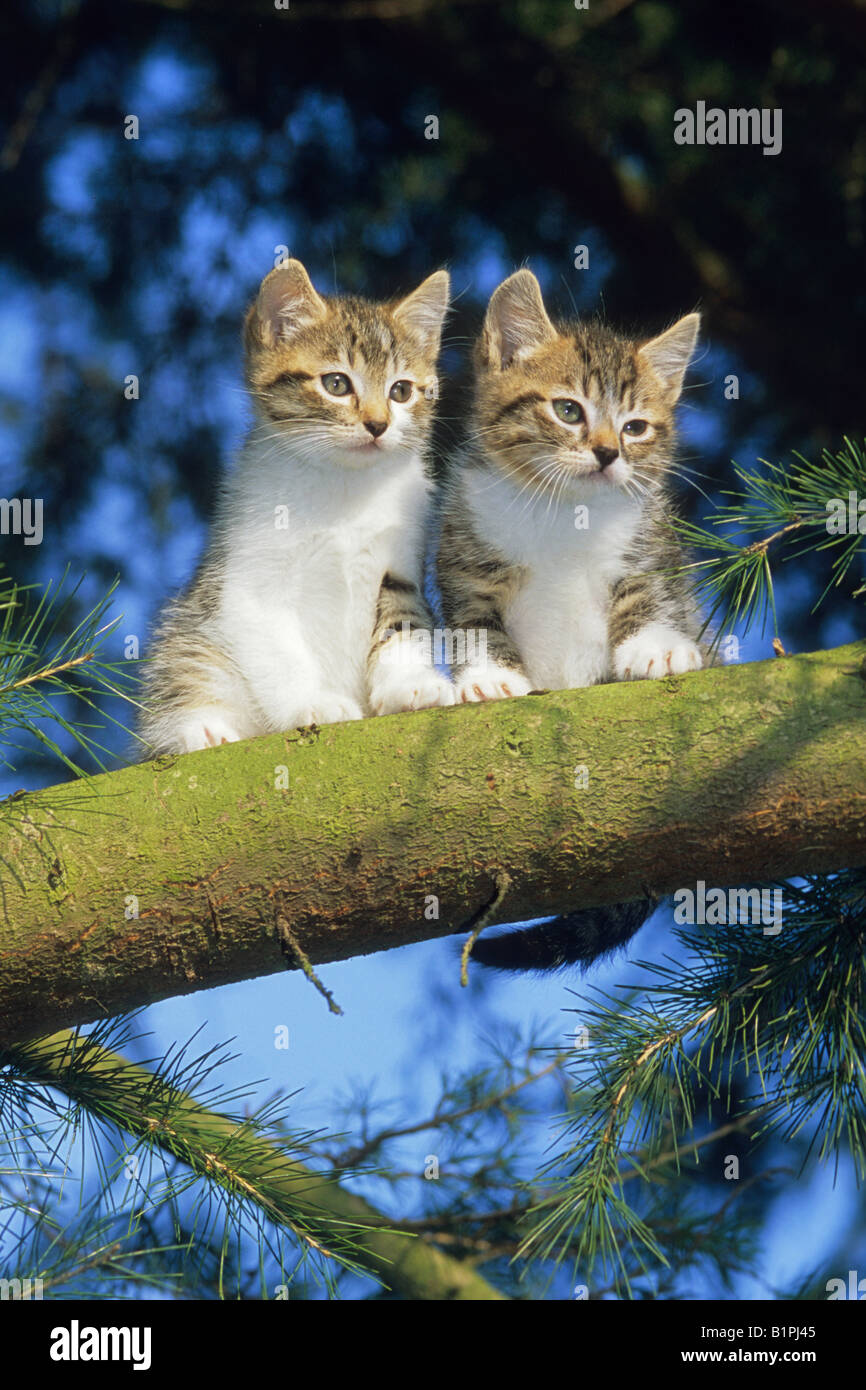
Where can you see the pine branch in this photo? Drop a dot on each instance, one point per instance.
(359, 1153)
(240, 1158)
(45, 658)
(736, 1005)
(736, 582)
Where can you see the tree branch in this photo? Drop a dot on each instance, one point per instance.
(259, 1170)
(170, 876)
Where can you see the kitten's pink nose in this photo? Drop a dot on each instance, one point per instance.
(376, 427)
(605, 454)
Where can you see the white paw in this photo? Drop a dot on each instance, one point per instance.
(326, 709)
(206, 729)
(490, 682)
(397, 689)
(653, 652)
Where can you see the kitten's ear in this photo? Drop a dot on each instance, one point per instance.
(516, 321)
(669, 354)
(287, 303)
(422, 312)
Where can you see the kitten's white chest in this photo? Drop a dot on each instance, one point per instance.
(302, 584)
(570, 560)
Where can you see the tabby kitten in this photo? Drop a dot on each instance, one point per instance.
(553, 538)
(553, 541)
(304, 605)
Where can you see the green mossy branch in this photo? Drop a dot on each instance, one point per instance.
(169, 876)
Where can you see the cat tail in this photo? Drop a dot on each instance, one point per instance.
(575, 938)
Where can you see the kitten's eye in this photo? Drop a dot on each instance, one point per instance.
(336, 383)
(400, 391)
(568, 411)
(636, 428)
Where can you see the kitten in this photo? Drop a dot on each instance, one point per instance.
(311, 585)
(553, 542)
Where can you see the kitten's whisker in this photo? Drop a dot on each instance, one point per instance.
(539, 481)
(545, 480)
(640, 484)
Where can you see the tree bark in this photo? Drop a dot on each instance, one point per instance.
(193, 871)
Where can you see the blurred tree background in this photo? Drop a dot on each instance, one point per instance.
(307, 127)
